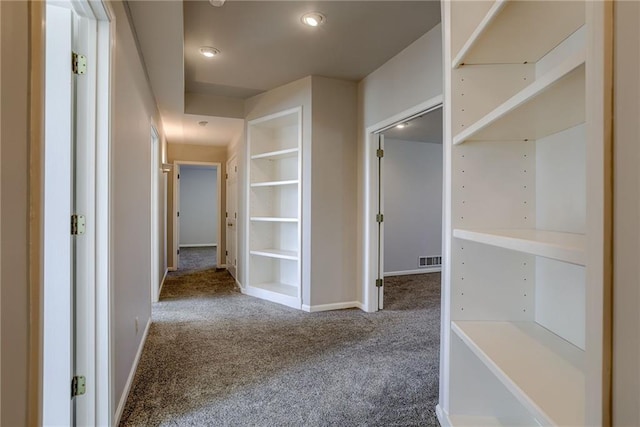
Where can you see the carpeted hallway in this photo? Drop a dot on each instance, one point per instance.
(215, 357)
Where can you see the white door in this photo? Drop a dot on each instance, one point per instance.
(380, 221)
(58, 205)
(232, 216)
(155, 215)
(176, 214)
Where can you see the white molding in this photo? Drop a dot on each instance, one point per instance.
(127, 388)
(166, 272)
(172, 269)
(198, 245)
(410, 272)
(221, 266)
(334, 306)
(443, 417)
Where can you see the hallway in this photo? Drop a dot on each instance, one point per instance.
(216, 357)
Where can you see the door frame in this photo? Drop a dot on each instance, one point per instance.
(154, 223)
(94, 356)
(370, 240)
(176, 207)
(235, 231)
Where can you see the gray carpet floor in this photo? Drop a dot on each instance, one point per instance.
(215, 357)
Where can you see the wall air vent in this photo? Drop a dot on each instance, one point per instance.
(429, 261)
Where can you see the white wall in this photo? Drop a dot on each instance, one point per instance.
(198, 205)
(412, 181)
(133, 109)
(334, 191)
(407, 80)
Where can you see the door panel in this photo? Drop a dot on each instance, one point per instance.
(176, 214)
(232, 216)
(58, 202)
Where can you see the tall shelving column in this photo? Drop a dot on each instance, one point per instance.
(524, 337)
(274, 207)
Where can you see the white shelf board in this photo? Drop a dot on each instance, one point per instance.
(276, 155)
(279, 288)
(481, 421)
(543, 371)
(552, 103)
(532, 29)
(276, 253)
(566, 247)
(272, 219)
(274, 183)
(482, 27)
(275, 292)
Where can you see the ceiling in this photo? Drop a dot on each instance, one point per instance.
(263, 45)
(426, 128)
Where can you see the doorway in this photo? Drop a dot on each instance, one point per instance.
(75, 322)
(374, 208)
(410, 197)
(197, 202)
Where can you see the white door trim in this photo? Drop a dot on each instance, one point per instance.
(154, 213)
(57, 331)
(92, 318)
(176, 205)
(369, 266)
(234, 255)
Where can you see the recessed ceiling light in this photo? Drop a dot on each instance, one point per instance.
(209, 51)
(402, 125)
(216, 3)
(203, 123)
(313, 19)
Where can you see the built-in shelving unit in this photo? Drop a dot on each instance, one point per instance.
(525, 294)
(566, 247)
(274, 208)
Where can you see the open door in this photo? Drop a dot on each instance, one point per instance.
(232, 216)
(75, 346)
(380, 222)
(176, 213)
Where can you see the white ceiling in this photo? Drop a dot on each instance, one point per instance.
(263, 45)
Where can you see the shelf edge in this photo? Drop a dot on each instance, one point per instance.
(493, 12)
(525, 95)
(539, 248)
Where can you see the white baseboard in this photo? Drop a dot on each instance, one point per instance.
(419, 271)
(162, 283)
(443, 417)
(172, 269)
(334, 306)
(132, 374)
(221, 266)
(198, 245)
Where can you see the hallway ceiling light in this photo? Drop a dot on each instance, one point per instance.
(313, 19)
(216, 3)
(402, 125)
(209, 51)
(203, 123)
